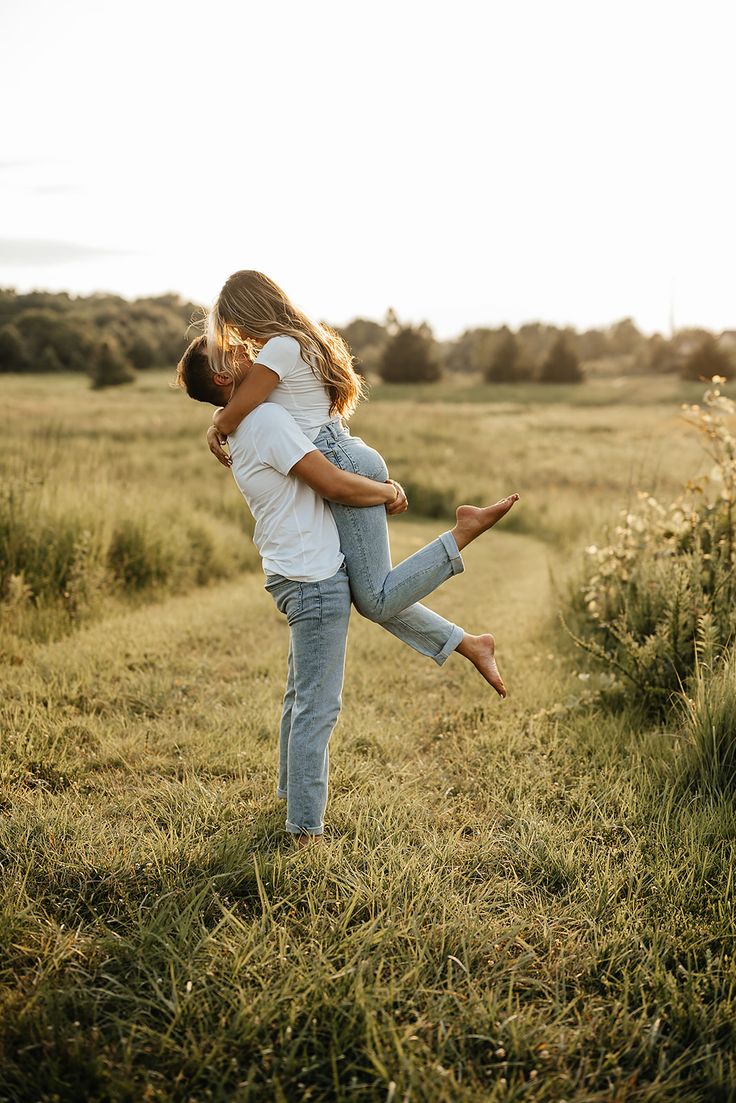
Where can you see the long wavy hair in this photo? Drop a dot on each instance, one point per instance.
(251, 309)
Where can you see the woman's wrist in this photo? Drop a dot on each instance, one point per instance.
(394, 496)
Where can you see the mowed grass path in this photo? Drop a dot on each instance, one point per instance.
(507, 908)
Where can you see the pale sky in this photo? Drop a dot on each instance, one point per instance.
(468, 163)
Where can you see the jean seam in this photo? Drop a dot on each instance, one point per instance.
(417, 575)
(353, 515)
(416, 631)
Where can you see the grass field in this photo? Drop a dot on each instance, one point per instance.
(513, 903)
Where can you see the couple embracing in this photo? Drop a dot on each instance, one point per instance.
(284, 387)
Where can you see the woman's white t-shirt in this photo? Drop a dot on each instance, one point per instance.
(300, 390)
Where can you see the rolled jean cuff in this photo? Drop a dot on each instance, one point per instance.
(281, 794)
(453, 552)
(294, 829)
(455, 638)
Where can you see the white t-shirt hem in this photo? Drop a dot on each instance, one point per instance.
(270, 571)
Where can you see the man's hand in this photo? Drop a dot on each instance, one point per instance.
(401, 502)
(215, 441)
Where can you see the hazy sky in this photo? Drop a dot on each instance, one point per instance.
(468, 163)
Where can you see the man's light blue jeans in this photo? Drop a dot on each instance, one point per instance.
(318, 615)
(382, 593)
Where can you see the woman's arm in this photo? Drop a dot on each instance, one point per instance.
(341, 486)
(254, 389)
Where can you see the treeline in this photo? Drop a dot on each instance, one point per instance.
(536, 352)
(105, 336)
(111, 338)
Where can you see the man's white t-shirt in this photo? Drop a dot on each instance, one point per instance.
(295, 531)
(299, 391)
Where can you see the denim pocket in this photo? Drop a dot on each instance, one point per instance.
(286, 593)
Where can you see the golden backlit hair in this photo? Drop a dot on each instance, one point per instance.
(251, 309)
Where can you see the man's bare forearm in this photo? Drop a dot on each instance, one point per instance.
(357, 490)
(336, 485)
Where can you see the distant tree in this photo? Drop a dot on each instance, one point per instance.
(592, 345)
(109, 365)
(459, 355)
(362, 331)
(561, 364)
(624, 337)
(71, 338)
(409, 357)
(142, 351)
(708, 359)
(504, 363)
(367, 340)
(391, 322)
(49, 361)
(13, 356)
(661, 355)
(535, 339)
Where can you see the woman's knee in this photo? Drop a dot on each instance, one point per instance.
(371, 607)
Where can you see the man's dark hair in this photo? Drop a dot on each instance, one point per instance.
(193, 372)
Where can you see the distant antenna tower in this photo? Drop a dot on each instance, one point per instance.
(672, 310)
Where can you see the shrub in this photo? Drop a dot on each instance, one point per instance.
(665, 575)
(708, 760)
(110, 367)
(136, 557)
(707, 360)
(40, 549)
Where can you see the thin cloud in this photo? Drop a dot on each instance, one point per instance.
(24, 251)
(55, 189)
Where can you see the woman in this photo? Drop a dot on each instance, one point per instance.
(307, 368)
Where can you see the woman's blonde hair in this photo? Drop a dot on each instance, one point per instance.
(251, 309)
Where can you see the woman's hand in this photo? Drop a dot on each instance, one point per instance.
(400, 503)
(215, 441)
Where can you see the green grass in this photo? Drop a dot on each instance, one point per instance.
(598, 390)
(518, 900)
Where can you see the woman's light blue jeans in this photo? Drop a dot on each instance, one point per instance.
(382, 593)
(318, 615)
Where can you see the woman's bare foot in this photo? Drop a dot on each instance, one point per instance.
(305, 839)
(481, 651)
(473, 520)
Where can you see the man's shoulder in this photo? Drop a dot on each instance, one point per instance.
(268, 432)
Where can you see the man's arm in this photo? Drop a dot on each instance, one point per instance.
(342, 486)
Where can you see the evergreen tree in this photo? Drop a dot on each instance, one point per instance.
(561, 364)
(409, 357)
(505, 361)
(109, 366)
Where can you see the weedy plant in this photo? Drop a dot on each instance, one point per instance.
(661, 589)
(708, 759)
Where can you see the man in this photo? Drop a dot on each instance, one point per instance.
(285, 481)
